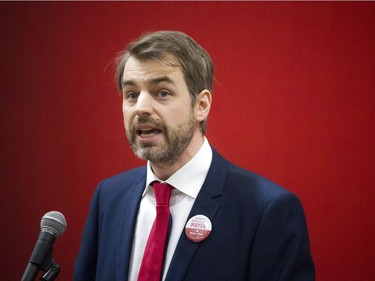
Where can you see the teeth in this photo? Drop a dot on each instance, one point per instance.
(148, 132)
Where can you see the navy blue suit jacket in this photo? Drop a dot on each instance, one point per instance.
(258, 233)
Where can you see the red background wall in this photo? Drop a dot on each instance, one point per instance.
(294, 101)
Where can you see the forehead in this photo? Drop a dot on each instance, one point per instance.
(136, 69)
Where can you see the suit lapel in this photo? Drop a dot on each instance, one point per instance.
(205, 204)
(130, 211)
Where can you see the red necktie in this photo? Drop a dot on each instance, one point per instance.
(152, 262)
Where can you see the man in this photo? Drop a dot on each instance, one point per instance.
(226, 223)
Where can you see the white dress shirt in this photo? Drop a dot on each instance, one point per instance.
(187, 182)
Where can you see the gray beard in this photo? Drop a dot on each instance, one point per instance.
(175, 142)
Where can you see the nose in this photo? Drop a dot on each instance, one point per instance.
(144, 105)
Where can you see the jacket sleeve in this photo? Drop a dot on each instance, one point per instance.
(85, 265)
(281, 249)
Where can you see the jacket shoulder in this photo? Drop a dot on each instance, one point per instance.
(247, 184)
(120, 184)
(129, 177)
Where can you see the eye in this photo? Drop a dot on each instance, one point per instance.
(131, 95)
(163, 94)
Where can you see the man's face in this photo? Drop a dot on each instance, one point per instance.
(158, 113)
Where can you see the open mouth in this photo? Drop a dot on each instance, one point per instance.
(148, 132)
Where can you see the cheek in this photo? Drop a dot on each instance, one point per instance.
(127, 117)
(180, 117)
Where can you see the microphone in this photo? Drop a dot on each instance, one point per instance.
(52, 225)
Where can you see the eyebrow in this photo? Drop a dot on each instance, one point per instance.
(158, 80)
(153, 81)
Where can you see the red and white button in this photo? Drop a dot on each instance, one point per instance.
(198, 228)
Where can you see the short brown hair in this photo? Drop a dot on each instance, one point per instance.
(195, 62)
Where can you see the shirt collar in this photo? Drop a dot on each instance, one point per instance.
(190, 177)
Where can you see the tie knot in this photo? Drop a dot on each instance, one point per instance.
(162, 193)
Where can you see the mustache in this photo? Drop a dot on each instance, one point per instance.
(142, 120)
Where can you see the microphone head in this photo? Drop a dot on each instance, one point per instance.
(54, 222)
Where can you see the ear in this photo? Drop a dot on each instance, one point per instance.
(203, 105)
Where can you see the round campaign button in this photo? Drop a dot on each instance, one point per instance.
(198, 228)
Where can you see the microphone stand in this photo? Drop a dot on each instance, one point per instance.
(42, 262)
(51, 273)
